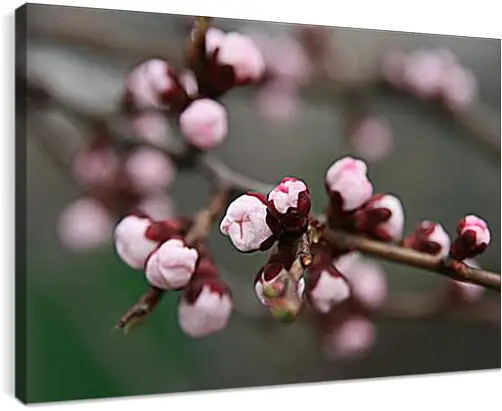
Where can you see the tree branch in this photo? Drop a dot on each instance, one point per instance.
(391, 252)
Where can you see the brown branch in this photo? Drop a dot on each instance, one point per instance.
(198, 233)
(391, 252)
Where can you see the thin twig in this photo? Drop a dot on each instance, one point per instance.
(391, 252)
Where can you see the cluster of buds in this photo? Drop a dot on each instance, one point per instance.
(115, 182)
(432, 75)
(354, 206)
(473, 237)
(228, 60)
(169, 264)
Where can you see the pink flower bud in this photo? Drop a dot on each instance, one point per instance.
(149, 170)
(204, 123)
(240, 52)
(473, 237)
(245, 223)
(96, 167)
(459, 88)
(326, 289)
(266, 279)
(290, 193)
(205, 308)
(347, 181)
(171, 266)
(152, 127)
(352, 338)
(382, 217)
(367, 281)
(429, 238)
(84, 224)
(150, 84)
(131, 242)
(372, 138)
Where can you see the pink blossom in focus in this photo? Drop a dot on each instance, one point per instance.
(286, 195)
(348, 177)
(430, 238)
(96, 167)
(204, 123)
(393, 226)
(245, 223)
(131, 242)
(473, 237)
(84, 224)
(149, 170)
(204, 309)
(372, 138)
(171, 266)
(152, 127)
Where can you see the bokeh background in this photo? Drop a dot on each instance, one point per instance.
(74, 299)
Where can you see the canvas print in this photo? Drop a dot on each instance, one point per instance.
(207, 203)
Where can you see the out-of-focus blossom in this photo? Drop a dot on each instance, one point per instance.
(240, 52)
(393, 65)
(372, 138)
(459, 88)
(157, 206)
(326, 289)
(467, 292)
(204, 123)
(96, 167)
(245, 223)
(131, 242)
(149, 170)
(151, 85)
(473, 237)
(347, 181)
(367, 280)
(353, 338)
(278, 102)
(172, 265)
(85, 224)
(152, 127)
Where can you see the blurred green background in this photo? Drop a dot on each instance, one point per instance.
(73, 300)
